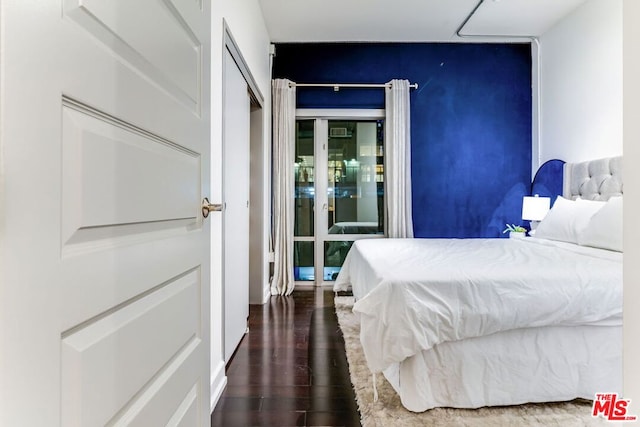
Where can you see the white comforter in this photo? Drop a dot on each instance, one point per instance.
(415, 293)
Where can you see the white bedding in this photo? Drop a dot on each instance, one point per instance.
(552, 363)
(413, 294)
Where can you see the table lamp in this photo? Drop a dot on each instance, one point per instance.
(534, 209)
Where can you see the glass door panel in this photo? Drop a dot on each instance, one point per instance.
(355, 189)
(304, 178)
(303, 268)
(304, 221)
(355, 185)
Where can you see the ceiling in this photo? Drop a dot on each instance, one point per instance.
(408, 20)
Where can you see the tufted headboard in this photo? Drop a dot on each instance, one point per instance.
(593, 180)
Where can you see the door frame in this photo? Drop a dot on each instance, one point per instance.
(321, 117)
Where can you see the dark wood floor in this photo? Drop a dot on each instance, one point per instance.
(290, 369)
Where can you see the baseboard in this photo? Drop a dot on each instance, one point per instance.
(218, 383)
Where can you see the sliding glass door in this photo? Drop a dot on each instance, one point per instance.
(339, 189)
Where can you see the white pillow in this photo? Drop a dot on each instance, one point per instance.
(604, 230)
(567, 219)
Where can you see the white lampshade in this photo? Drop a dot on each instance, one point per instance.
(535, 208)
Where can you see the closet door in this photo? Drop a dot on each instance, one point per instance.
(236, 112)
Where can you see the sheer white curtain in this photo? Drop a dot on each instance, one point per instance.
(397, 159)
(284, 137)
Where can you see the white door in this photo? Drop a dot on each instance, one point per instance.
(104, 281)
(236, 114)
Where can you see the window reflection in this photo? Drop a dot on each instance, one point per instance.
(304, 179)
(356, 177)
(334, 255)
(303, 268)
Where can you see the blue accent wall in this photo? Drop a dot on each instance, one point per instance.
(470, 121)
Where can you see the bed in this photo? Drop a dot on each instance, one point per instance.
(467, 323)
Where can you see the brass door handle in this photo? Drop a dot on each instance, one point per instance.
(210, 207)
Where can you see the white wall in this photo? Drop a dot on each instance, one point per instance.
(581, 84)
(631, 204)
(245, 22)
(585, 114)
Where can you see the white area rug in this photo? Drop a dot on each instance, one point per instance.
(388, 411)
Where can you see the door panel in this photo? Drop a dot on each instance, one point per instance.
(173, 58)
(354, 190)
(104, 275)
(157, 405)
(236, 197)
(93, 286)
(187, 415)
(125, 349)
(355, 184)
(305, 201)
(93, 146)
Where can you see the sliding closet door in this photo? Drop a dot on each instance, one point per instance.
(236, 124)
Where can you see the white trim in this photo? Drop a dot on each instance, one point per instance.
(340, 113)
(321, 183)
(231, 45)
(218, 384)
(536, 156)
